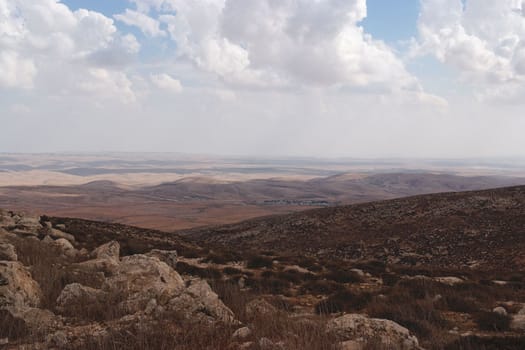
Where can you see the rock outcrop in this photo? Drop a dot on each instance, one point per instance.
(8, 252)
(362, 329)
(17, 287)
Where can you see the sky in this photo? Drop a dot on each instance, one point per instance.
(321, 78)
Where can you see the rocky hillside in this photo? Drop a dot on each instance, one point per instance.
(483, 229)
(438, 272)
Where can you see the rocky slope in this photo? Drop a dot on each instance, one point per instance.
(483, 229)
(56, 296)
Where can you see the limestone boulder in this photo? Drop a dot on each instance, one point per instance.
(57, 234)
(17, 287)
(6, 219)
(34, 320)
(518, 322)
(140, 278)
(200, 302)
(65, 247)
(110, 250)
(26, 224)
(75, 295)
(363, 329)
(8, 252)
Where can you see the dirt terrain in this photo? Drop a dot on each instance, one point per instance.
(203, 201)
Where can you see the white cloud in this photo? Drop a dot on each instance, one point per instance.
(483, 39)
(16, 71)
(166, 82)
(46, 46)
(282, 43)
(148, 25)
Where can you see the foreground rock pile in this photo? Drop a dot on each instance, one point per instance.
(53, 295)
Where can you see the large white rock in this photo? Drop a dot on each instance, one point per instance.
(65, 247)
(140, 278)
(57, 234)
(110, 250)
(75, 295)
(199, 301)
(17, 287)
(361, 328)
(8, 252)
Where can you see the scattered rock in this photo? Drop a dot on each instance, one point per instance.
(8, 252)
(58, 339)
(450, 281)
(518, 322)
(246, 345)
(267, 344)
(259, 307)
(350, 345)
(363, 329)
(65, 247)
(500, 311)
(56, 234)
(242, 333)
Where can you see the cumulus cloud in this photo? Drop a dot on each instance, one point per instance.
(16, 71)
(148, 25)
(46, 46)
(483, 39)
(281, 43)
(166, 82)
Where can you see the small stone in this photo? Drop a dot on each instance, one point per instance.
(500, 311)
(58, 339)
(8, 252)
(242, 333)
(350, 345)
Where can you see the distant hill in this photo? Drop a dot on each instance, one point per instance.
(205, 200)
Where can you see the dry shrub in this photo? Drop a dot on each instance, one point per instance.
(271, 285)
(458, 303)
(419, 316)
(295, 277)
(342, 275)
(232, 296)
(492, 321)
(11, 327)
(165, 335)
(294, 333)
(374, 267)
(346, 301)
(207, 273)
(320, 287)
(223, 257)
(488, 343)
(48, 267)
(259, 261)
(231, 271)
